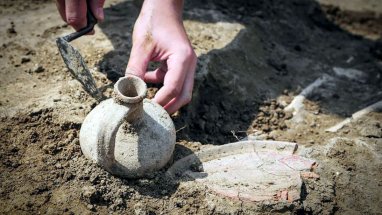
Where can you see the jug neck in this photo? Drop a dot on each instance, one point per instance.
(130, 91)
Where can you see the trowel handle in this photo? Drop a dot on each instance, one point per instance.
(89, 27)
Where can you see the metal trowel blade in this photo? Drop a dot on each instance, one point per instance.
(78, 68)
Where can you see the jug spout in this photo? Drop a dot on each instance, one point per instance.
(130, 92)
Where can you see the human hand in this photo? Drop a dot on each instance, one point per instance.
(73, 12)
(159, 36)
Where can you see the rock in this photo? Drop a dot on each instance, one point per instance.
(38, 68)
(266, 128)
(58, 166)
(89, 194)
(259, 14)
(309, 175)
(12, 30)
(68, 176)
(25, 59)
(139, 209)
(119, 202)
(371, 131)
(90, 207)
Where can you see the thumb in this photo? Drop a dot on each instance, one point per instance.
(97, 9)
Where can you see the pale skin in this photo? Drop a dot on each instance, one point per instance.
(158, 36)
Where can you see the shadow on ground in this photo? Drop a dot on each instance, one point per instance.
(283, 47)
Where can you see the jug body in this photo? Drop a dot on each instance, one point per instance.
(128, 135)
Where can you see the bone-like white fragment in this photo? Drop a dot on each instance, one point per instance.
(297, 103)
(352, 74)
(372, 108)
(350, 59)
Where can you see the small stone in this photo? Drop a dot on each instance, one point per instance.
(309, 175)
(283, 126)
(266, 128)
(288, 115)
(76, 141)
(262, 137)
(38, 68)
(259, 14)
(371, 131)
(119, 202)
(25, 59)
(90, 207)
(46, 149)
(68, 176)
(89, 193)
(77, 94)
(139, 209)
(56, 99)
(11, 30)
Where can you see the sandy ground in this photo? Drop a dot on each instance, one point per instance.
(254, 57)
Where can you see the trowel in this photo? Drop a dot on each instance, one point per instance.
(74, 60)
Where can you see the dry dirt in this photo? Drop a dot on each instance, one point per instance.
(254, 57)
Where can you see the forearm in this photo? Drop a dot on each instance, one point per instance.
(171, 8)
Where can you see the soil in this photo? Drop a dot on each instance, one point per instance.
(254, 57)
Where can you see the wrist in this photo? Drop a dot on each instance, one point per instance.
(168, 7)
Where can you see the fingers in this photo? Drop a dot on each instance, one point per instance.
(186, 95)
(137, 65)
(156, 76)
(139, 58)
(61, 8)
(178, 81)
(75, 13)
(97, 9)
(173, 81)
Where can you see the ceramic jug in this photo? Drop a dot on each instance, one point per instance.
(128, 135)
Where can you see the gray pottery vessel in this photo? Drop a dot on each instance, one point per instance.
(128, 135)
